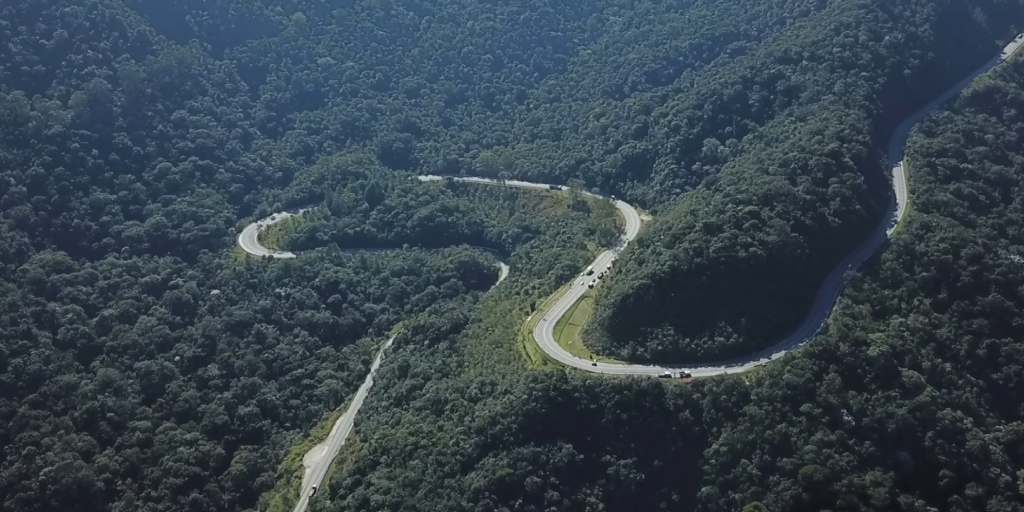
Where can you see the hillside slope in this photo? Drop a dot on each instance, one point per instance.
(734, 265)
(911, 400)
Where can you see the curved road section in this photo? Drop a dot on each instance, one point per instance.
(249, 241)
(828, 292)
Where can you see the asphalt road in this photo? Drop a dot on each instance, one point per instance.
(828, 292)
(821, 308)
(249, 242)
(316, 472)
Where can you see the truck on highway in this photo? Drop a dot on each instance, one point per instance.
(589, 271)
(668, 375)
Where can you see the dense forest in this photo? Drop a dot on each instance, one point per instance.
(146, 365)
(733, 266)
(912, 397)
(379, 209)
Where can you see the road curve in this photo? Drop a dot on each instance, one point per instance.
(823, 303)
(828, 292)
(248, 239)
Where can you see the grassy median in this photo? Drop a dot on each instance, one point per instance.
(275, 236)
(568, 330)
(531, 350)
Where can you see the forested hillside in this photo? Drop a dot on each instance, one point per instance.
(912, 397)
(146, 366)
(379, 209)
(909, 401)
(649, 101)
(733, 267)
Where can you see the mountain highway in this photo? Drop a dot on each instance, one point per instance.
(828, 293)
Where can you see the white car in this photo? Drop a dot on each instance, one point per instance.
(312, 491)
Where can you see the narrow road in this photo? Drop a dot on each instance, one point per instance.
(326, 452)
(828, 292)
(321, 457)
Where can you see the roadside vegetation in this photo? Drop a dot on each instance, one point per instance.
(274, 237)
(378, 208)
(535, 357)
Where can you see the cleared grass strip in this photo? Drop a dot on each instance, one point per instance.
(568, 330)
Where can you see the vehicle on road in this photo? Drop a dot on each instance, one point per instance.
(554, 187)
(593, 364)
(685, 374)
(312, 491)
(589, 271)
(665, 375)
(591, 284)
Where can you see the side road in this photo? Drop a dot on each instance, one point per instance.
(319, 458)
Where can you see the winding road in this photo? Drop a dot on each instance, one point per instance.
(320, 458)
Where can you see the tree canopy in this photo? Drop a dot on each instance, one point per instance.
(146, 365)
